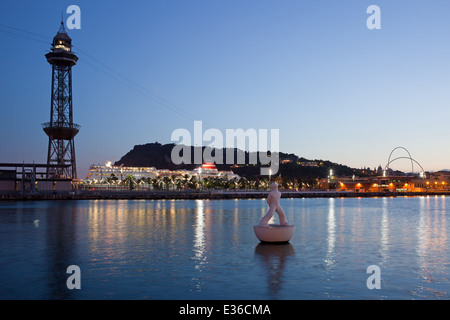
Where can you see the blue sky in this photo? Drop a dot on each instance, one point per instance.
(312, 69)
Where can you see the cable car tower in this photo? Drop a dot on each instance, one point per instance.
(61, 130)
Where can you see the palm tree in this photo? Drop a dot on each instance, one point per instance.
(264, 184)
(193, 183)
(297, 184)
(179, 184)
(130, 180)
(114, 179)
(141, 181)
(155, 183)
(149, 182)
(203, 182)
(166, 180)
(243, 183)
(226, 184)
(216, 183)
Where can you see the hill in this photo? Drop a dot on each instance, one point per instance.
(291, 166)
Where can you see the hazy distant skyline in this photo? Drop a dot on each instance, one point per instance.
(312, 69)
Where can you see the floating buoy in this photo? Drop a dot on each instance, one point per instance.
(274, 233)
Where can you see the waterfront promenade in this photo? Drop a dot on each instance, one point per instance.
(202, 194)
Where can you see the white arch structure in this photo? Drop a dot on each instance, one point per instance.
(386, 168)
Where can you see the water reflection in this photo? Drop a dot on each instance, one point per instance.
(384, 238)
(203, 249)
(331, 235)
(199, 235)
(61, 248)
(273, 258)
(432, 246)
(199, 242)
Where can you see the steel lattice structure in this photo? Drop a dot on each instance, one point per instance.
(61, 130)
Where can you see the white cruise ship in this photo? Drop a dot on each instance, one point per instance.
(98, 173)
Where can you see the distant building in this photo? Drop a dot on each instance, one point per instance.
(31, 178)
(395, 183)
(310, 163)
(209, 170)
(439, 180)
(379, 170)
(98, 173)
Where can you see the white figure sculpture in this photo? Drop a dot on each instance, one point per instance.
(273, 200)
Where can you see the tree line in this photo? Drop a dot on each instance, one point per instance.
(192, 182)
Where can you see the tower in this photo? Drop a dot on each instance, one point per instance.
(61, 130)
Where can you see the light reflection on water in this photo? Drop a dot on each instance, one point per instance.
(206, 249)
(431, 253)
(331, 237)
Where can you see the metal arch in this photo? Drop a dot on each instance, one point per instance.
(387, 166)
(412, 163)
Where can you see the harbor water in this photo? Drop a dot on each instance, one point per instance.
(206, 249)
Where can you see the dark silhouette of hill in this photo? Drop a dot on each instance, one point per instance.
(291, 166)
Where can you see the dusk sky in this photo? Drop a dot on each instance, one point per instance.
(312, 69)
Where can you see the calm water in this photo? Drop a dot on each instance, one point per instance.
(199, 249)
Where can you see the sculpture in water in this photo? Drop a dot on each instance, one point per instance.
(273, 200)
(274, 233)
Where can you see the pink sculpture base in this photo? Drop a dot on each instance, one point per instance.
(274, 233)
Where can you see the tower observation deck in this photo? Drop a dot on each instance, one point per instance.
(61, 130)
